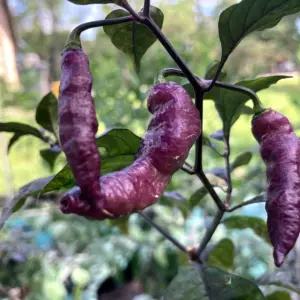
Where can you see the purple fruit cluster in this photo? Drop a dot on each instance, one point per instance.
(280, 150)
(172, 131)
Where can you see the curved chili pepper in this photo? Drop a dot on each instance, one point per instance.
(172, 131)
(280, 150)
(78, 123)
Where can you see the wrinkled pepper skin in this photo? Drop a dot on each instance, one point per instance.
(122, 192)
(280, 150)
(174, 128)
(78, 123)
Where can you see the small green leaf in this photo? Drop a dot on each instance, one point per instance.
(197, 197)
(279, 295)
(46, 113)
(212, 70)
(131, 38)
(121, 146)
(64, 179)
(230, 104)
(208, 143)
(241, 19)
(187, 284)
(86, 2)
(242, 160)
(258, 225)
(215, 181)
(118, 141)
(50, 155)
(19, 130)
(222, 255)
(226, 286)
(30, 189)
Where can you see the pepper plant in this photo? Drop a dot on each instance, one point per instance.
(133, 32)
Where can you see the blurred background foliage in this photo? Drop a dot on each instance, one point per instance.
(45, 254)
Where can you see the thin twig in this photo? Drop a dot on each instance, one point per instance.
(188, 170)
(228, 169)
(173, 53)
(146, 10)
(258, 199)
(205, 84)
(199, 143)
(82, 27)
(211, 191)
(135, 15)
(166, 234)
(214, 80)
(210, 232)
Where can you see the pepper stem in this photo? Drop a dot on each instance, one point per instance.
(258, 107)
(74, 42)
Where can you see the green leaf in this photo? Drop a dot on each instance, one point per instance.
(19, 130)
(46, 113)
(187, 284)
(208, 143)
(226, 286)
(222, 255)
(86, 2)
(121, 146)
(241, 160)
(246, 110)
(279, 295)
(64, 179)
(118, 141)
(230, 104)
(30, 189)
(212, 70)
(241, 19)
(50, 155)
(279, 279)
(215, 181)
(197, 197)
(131, 38)
(258, 225)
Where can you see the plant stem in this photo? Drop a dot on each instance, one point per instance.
(135, 15)
(198, 88)
(188, 170)
(166, 234)
(210, 232)
(172, 52)
(258, 199)
(74, 42)
(228, 169)
(146, 10)
(214, 80)
(258, 107)
(205, 84)
(211, 191)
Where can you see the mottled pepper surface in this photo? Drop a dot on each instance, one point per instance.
(280, 150)
(78, 123)
(172, 131)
